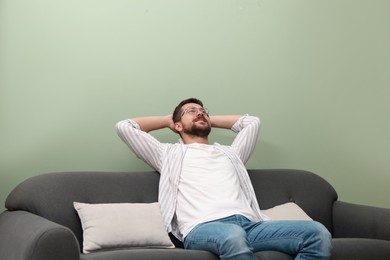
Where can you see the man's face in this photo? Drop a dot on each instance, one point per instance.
(195, 120)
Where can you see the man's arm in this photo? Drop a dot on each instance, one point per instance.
(225, 121)
(247, 129)
(134, 133)
(151, 123)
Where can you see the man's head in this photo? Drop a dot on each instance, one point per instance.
(191, 118)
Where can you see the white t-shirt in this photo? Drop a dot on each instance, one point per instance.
(209, 188)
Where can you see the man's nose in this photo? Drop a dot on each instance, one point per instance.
(200, 112)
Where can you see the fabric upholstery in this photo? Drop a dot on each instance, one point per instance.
(52, 195)
(151, 254)
(308, 190)
(373, 222)
(37, 238)
(360, 249)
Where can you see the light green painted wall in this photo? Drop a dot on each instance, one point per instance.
(316, 72)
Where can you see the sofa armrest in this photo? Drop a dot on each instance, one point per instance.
(24, 235)
(360, 221)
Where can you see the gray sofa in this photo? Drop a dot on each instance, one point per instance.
(40, 222)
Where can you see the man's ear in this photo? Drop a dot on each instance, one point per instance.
(178, 127)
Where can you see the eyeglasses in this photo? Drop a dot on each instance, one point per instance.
(194, 110)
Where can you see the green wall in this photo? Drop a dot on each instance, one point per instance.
(316, 72)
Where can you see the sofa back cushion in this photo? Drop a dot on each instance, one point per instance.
(52, 195)
(309, 191)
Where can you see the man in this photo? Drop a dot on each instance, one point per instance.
(206, 197)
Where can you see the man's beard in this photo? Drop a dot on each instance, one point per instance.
(194, 130)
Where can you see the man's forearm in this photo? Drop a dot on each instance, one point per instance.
(151, 123)
(224, 121)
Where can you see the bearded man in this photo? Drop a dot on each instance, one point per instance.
(206, 197)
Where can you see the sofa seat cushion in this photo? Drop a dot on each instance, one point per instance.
(272, 255)
(169, 254)
(150, 254)
(360, 249)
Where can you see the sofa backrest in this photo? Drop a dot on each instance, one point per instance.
(52, 195)
(310, 191)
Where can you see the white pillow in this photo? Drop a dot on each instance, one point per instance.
(122, 225)
(287, 211)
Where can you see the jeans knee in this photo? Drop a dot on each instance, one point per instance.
(235, 236)
(322, 232)
(321, 238)
(235, 245)
(229, 241)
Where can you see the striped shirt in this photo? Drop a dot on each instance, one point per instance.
(167, 159)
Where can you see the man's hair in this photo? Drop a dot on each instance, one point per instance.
(176, 116)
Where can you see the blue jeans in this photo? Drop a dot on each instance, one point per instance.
(236, 237)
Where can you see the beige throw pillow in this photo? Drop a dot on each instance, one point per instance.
(122, 225)
(287, 211)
